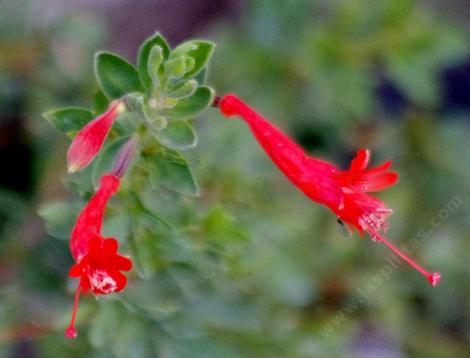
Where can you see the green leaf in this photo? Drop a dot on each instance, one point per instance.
(106, 158)
(116, 76)
(178, 135)
(100, 101)
(201, 76)
(59, 218)
(192, 105)
(176, 68)
(200, 51)
(153, 116)
(183, 90)
(80, 182)
(69, 120)
(418, 80)
(143, 212)
(154, 62)
(127, 123)
(171, 170)
(144, 53)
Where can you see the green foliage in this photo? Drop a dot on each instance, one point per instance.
(155, 59)
(193, 104)
(171, 170)
(161, 96)
(199, 52)
(145, 63)
(59, 218)
(100, 102)
(178, 135)
(116, 77)
(69, 120)
(251, 268)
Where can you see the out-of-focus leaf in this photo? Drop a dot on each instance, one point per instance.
(59, 218)
(69, 120)
(106, 158)
(115, 75)
(148, 214)
(171, 170)
(419, 81)
(81, 182)
(105, 324)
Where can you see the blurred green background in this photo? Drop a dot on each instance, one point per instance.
(255, 269)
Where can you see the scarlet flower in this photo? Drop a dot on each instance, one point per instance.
(343, 191)
(89, 140)
(98, 264)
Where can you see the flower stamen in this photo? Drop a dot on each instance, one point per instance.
(433, 277)
(71, 331)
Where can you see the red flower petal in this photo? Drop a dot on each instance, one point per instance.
(361, 160)
(90, 220)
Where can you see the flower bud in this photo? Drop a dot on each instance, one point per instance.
(124, 158)
(89, 140)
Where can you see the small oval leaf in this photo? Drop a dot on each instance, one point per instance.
(100, 102)
(183, 90)
(154, 63)
(116, 77)
(178, 135)
(69, 120)
(192, 105)
(144, 53)
(200, 51)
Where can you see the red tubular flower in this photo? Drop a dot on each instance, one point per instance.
(343, 191)
(89, 140)
(98, 264)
